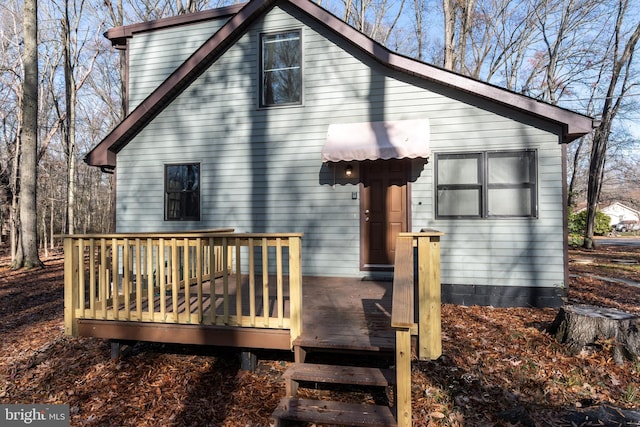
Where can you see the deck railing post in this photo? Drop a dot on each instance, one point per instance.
(429, 325)
(403, 375)
(295, 286)
(71, 281)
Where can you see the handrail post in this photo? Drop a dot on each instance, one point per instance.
(402, 320)
(429, 323)
(403, 377)
(295, 287)
(71, 280)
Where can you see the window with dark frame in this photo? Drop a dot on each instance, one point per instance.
(489, 184)
(182, 192)
(281, 69)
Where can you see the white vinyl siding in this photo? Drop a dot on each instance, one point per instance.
(261, 169)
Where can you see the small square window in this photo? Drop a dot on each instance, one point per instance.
(281, 69)
(182, 192)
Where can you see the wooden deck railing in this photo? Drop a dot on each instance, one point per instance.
(214, 277)
(404, 319)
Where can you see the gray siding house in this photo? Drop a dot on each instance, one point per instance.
(275, 116)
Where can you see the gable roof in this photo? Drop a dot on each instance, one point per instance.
(573, 125)
(614, 205)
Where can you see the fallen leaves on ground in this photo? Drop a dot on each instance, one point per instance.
(499, 366)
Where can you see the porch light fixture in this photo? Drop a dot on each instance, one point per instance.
(348, 171)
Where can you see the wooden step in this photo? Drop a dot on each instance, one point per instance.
(334, 374)
(379, 345)
(329, 412)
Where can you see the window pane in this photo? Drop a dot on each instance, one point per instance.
(182, 177)
(173, 206)
(463, 202)
(281, 51)
(182, 192)
(458, 170)
(510, 168)
(281, 69)
(282, 87)
(510, 202)
(191, 205)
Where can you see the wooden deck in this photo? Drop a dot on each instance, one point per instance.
(338, 313)
(243, 290)
(347, 314)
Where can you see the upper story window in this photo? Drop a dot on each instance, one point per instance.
(281, 69)
(182, 192)
(486, 184)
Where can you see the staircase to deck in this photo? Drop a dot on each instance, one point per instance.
(321, 366)
(381, 331)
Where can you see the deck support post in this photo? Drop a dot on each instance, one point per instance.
(116, 349)
(248, 361)
(299, 354)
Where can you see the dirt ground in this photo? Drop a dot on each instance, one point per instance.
(499, 366)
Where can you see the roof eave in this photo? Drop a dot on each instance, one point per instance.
(119, 35)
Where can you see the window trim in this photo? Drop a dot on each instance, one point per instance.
(166, 193)
(483, 182)
(261, 72)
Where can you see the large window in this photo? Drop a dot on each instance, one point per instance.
(281, 69)
(182, 192)
(486, 184)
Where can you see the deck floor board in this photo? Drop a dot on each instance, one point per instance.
(337, 312)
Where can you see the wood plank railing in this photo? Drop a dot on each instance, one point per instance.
(213, 277)
(404, 319)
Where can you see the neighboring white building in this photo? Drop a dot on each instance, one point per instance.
(619, 212)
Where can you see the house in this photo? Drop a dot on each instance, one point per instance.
(620, 213)
(276, 116)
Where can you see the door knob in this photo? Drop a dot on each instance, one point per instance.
(366, 211)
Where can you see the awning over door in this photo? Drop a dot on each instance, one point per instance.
(377, 140)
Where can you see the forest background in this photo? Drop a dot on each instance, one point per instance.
(577, 54)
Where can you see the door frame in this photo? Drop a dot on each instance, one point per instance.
(362, 222)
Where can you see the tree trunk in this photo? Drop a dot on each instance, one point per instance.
(28, 257)
(14, 212)
(70, 100)
(582, 327)
(449, 10)
(619, 84)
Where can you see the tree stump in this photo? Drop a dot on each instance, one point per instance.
(585, 326)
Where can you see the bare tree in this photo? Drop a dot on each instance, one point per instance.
(620, 82)
(116, 13)
(458, 22)
(377, 20)
(27, 254)
(72, 65)
(504, 32)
